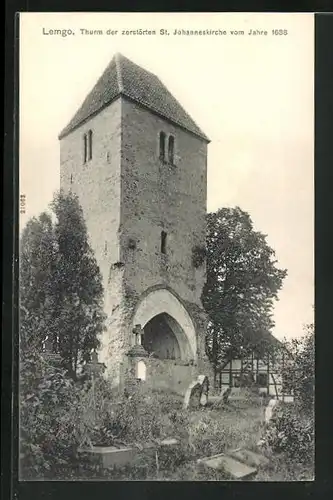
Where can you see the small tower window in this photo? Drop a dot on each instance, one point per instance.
(163, 241)
(85, 148)
(71, 178)
(171, 150)
(90, 145)
(162, 146)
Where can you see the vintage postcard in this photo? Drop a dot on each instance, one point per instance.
(166, 270)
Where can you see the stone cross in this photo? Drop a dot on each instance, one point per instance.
(51, 349)
(138, 331)
(47, 344)
(94, 357)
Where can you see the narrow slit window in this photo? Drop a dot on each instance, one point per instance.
(71, 178)
(162, 146)
(171, 150)
(163, 242)
(90, 145)
(85, 148)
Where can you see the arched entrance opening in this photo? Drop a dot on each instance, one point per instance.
(160, 339)
(168, 330)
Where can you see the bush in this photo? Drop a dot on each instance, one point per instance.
(299, 374)
(48, 407)
(290, 433)
(58, 416)
(291, 429)
(145, 417)
(208, 436)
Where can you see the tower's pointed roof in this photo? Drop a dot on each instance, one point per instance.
(123, 77)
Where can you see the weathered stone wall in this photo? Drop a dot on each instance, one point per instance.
(97, 182)
(157, 196)
(167, 374)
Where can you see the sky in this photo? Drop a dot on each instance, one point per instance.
(253, 95)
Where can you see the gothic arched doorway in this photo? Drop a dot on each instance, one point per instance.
(168, 330)
(159, 338)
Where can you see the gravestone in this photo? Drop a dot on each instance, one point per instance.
(109, 456)
(230, 466)
(141, 370)
(248, 457)
(93, 368)
(203, 380)
(136, 371)
(197, 393)
(226, 394)
(50, 350)
(269, 410)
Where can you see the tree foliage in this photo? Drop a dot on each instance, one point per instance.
(48, 416)
(243, 281)
(79, 292)
(299, 373)
(61, 293)
(291, 430)
(38, 258)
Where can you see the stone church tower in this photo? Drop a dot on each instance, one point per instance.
(138, 163)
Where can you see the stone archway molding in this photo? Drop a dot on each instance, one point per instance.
(163, 300)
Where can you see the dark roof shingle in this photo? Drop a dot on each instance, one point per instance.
(123, 77)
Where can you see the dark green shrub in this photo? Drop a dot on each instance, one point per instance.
(144, 417)
(291, 433)
(299, 373)
(48, 417)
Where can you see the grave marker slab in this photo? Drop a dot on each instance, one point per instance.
(269, 410)
(110, 456)
(248, 457)
(237, 470)
(169, 442)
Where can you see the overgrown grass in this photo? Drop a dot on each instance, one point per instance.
(200, 433)
(153, 416)
(215, 429)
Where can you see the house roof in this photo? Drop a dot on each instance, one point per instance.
(262, 341)
(123, 77)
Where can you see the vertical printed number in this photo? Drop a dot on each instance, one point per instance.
(23, 200)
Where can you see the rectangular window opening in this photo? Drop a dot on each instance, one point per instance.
(85, 148)
(171, 149)
(262, 379)
(162, 146)
(163, 242)
(90, 144)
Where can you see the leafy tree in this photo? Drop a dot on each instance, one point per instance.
(242, 284)
(61, 293)
(38, 258)
(299, 372)
(291, 430)
(79, 291)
